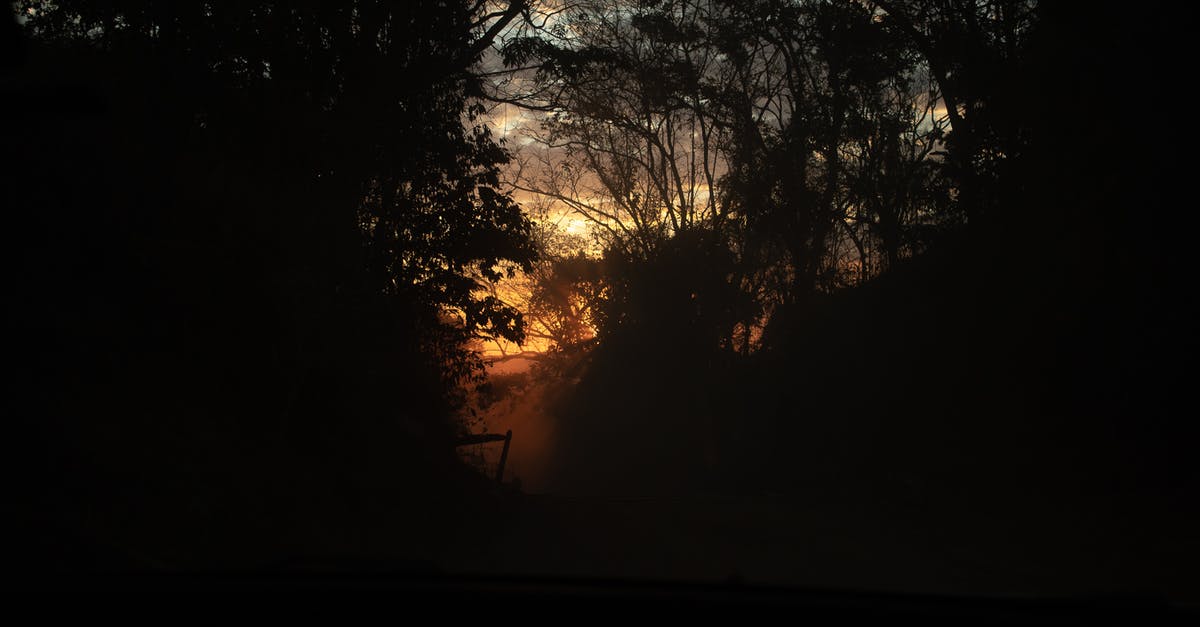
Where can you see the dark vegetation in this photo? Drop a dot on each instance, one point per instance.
(936, 258)
(237, 235)
(1017, 350)
(1005, 312)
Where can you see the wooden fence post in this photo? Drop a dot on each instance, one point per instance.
(503, 457)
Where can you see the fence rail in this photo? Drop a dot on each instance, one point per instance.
(484, 438)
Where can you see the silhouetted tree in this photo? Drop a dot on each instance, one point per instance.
(272, 226)
(977, 53)
(790, 136)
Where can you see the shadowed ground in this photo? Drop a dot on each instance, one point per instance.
(897, 545)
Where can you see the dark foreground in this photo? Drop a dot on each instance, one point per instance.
(816, 559)
(513, 598)
(903, 545)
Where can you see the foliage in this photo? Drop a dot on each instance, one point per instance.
(804, 142)
(358, 111)
(250, 240)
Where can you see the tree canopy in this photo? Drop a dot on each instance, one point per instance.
(254, 241)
